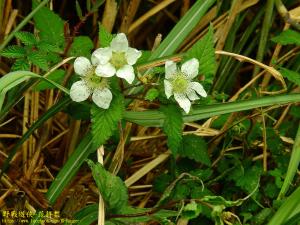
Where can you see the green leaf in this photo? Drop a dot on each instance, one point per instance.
(204, 51)
(111, 187)
(20, 64)
(81, 46)
(78, 10)
(194, 147)
(50, 25)
(191, 210)
(57, 76)
(38, 58)
(13, 51)
(26, 38)
(287, 37)
(48, 47)
(104, 36)
(172, 126)
(152, 94)
(250, 179)
(105, 121)
(290, 75)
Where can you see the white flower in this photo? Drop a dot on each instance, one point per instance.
(179, 83)
(117, 59)
(92, 82)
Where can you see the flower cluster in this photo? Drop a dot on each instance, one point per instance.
(118, 59)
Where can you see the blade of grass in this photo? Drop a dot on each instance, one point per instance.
(264, 34)
(287, 208)
(22, 24)
(182, 29)
(293, 166)
(156, 118)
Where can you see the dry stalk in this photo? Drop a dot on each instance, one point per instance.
(101, 212)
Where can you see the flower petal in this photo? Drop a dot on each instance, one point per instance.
(168, 88)
(101, 56)
(198, 88)
(132, 55)
(192, 94)
(119, 43)
(102, 97)
(82, 65)
(183, 102)
(190, 68)
(79, 91)
(106, 70)
(170, 69)
(126, 72)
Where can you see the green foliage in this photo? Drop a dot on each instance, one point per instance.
(56, 76)
(291, 75)
(38, 59)
(26, 38)
(194, 147)
(20, 64)
(204, 51)
(81, 46)
(13, 51)
(111, 187)
(152, 94)
(50, 25)
(104, 36)
(105, 121)
(250, 179)
(172, 126)
(191, 210)
(288, 37)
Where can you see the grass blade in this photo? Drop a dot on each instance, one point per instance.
(293, 166)
(182, 29)
(156, 118)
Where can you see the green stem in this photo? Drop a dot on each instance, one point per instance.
(264, 33)
(22, 24)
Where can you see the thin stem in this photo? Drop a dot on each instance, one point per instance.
(101, 212)
(22, 24)
(284, 13)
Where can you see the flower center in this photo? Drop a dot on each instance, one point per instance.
(118, 59)
(93, 81)
(179, 83)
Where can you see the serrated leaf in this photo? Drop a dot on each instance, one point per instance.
(104, 36)
(50, 25)
(287, 37)
(111, 187)
(204, 51)
(172, 126)
(152, 94)
(20, 64)
(105, 121)
(57, 76)
(194, 147)
(13, 51)
(81, 46)
(47, 47)
(38, 58)
(290, 75)
(26, 38)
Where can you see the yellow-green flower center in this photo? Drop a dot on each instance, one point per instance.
(93, 81)
(179, 83)
(118, 59)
